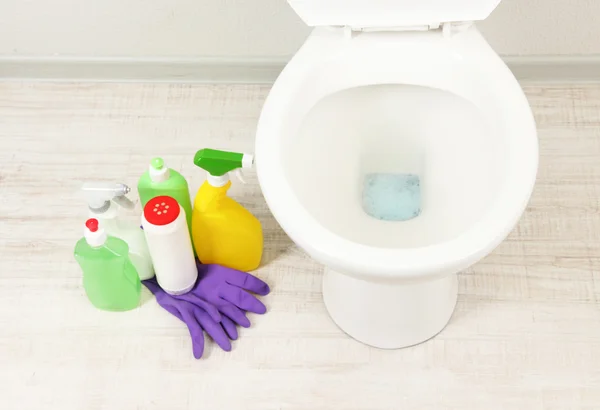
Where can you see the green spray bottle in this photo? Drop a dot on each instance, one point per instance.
(223, 231)
(160, 180)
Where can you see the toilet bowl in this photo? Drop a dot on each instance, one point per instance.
(400, 87)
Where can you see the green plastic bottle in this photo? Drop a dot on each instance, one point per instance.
(109, 278)
(162, 181)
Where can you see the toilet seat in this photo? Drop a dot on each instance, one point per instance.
(391, 14)
(337, 58)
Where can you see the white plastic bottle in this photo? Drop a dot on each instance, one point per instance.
(168, 238)
(102, 199)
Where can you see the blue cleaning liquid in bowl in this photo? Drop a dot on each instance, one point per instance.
(392, 197)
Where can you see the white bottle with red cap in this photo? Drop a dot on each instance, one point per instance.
(168, 238)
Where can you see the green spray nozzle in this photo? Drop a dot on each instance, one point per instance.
(219, 163)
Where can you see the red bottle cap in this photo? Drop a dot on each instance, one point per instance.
(92, 224)
(161, 210)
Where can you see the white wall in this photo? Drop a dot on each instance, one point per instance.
(257, 28)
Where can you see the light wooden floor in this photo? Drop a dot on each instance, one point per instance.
(525, 335)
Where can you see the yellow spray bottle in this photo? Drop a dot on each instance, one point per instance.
(223, 231)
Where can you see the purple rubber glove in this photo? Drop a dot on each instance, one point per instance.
(199, 316)
(228, 290)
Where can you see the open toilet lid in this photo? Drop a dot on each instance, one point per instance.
(391, 13)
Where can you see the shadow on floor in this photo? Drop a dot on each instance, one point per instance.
(276, 241)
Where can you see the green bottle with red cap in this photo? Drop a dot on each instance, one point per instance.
(110, 280)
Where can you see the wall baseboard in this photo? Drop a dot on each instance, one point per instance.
(555, 68)
(193, 70)
(248, 70)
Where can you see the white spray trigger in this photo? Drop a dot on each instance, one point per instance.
(99, 194)
(238, 173)
(124, 202)
(247, 162)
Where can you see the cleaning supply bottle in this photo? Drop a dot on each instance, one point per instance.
(109, 278)
(103, 202)
(161, 180)
(170, 245)
(223, 231)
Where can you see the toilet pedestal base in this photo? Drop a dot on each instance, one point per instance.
(389, 315)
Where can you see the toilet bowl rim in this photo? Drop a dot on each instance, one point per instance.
(388, 263)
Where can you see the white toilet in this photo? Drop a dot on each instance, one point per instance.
(400, 86)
